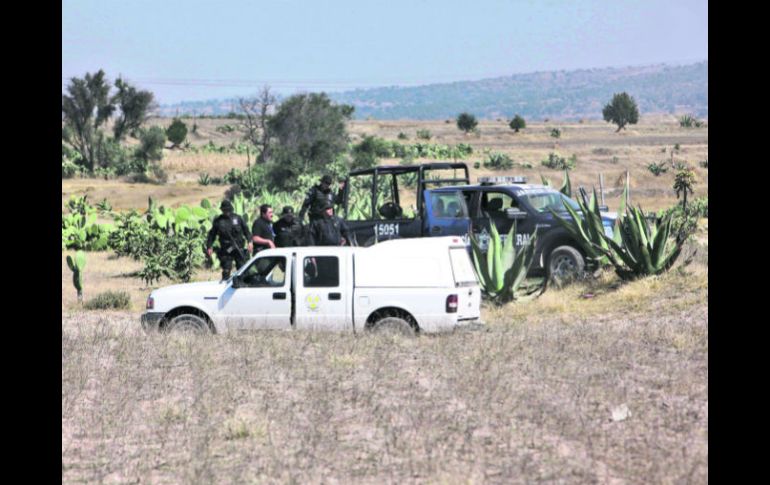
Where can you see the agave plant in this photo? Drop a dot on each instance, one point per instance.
(502, 269)
(645, 247)
(587, 228)
(566, 185)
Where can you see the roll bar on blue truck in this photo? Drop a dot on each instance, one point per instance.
(405, 201)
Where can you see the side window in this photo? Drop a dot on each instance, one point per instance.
(321, 272)
(265, 272)
(495, 203)
(448, 205)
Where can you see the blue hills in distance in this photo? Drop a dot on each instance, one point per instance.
(566, 95)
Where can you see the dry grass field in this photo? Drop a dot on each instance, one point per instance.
(602, 381)
(565, 389)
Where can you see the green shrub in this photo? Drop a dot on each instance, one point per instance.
(555, 132)
(466, 122)
(685, 223)
(517, 123)
(498, 161)
(704, 163)
(402, 136)
(109, 300)
(150, 149)
(556, 162)
(176, 132)
(225, 129)
(369, 150)
(424, 134)
(657, 168)
(70, 169)
(111, 156)
(689, 121)
(686, 121)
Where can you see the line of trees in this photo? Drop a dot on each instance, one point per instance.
(301, 137)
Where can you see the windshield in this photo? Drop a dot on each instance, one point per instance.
(541, 200)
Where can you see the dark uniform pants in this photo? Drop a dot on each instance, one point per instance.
(226, 260)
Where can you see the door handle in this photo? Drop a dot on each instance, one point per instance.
(435, 229)
(279, 296)
(335, 296)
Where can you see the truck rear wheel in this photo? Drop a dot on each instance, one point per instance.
(394, 325)
(187, 323)
(565, 263)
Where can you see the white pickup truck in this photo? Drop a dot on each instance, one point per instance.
(413, 285)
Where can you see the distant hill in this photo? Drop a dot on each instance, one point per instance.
(565, 95)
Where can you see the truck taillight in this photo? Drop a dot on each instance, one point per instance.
(451, 304)
(150, 303)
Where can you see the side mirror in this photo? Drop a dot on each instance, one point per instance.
(237, 281)
(515, 214)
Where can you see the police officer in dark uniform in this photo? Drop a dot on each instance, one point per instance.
(330, 230)
(288, 231)
(318, 196)
(262, 233)
(232, 232)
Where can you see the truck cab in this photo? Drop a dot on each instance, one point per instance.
(405, 201)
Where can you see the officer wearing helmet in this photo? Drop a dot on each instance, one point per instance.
(318, 196)
(329, 230)
(288, 232)
(231, 230)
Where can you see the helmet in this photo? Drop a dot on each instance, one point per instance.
(226, 206)
(326, 179)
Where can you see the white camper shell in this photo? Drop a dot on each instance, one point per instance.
(427, 283)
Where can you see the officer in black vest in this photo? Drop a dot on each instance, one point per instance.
(262, 234)
(232, 232)
(288, 231)
(330, 230)
(318, 196)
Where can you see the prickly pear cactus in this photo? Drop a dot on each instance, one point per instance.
(76, 265)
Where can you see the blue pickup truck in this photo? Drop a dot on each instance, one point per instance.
(425, 200)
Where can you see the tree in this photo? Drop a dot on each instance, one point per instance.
(684, 180)
(517, 123)
(85, 108)
(253, 121)
(176, 132)
(134, 108)
(150, 148)
(622, 110)
(310, 133)
(466, 122)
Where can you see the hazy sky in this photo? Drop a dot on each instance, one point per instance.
(195, 49)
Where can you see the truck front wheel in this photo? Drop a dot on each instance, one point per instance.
(187, 323)
(565, 263)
